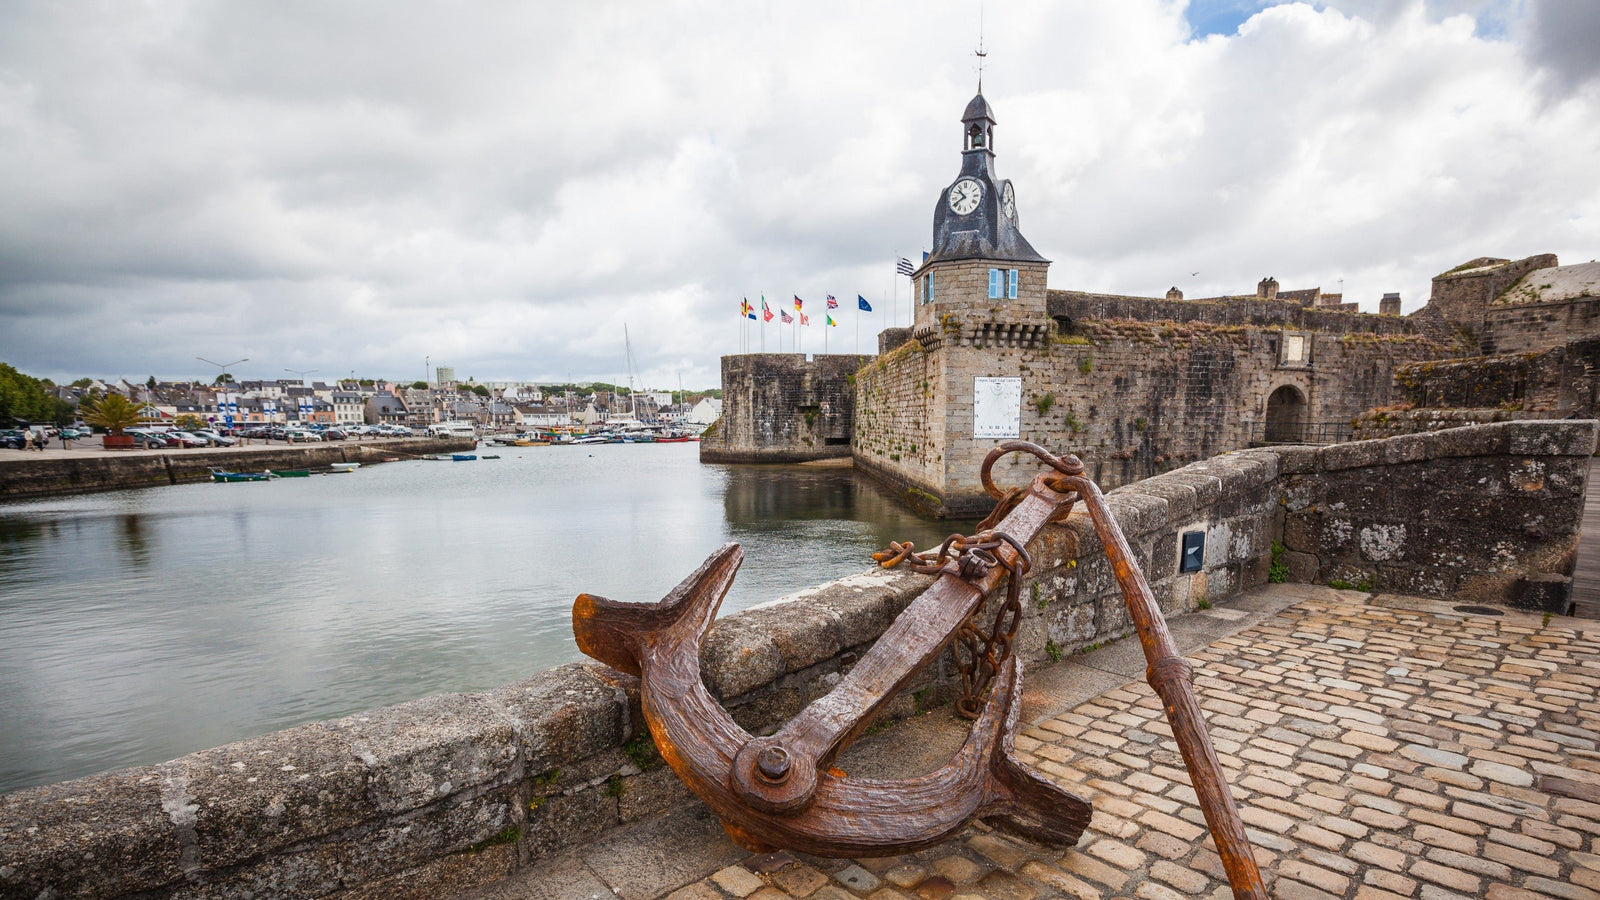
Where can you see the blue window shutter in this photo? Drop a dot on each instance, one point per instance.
(994, 284)
(1012, 292)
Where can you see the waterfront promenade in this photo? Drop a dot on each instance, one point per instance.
(1380, 747)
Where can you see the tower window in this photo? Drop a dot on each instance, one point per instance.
(927, 288)
(1002, 284)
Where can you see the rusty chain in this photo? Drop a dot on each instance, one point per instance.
(974, 557)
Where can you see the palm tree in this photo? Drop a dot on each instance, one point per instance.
(113, 412)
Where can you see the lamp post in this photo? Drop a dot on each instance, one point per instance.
(300, 404)
(222, 369)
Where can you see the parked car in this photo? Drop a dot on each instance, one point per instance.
(215, 439)
(75, 434)
(14, 438)
(185, 439)
(152, 439)
(301, 436)
(333, 434)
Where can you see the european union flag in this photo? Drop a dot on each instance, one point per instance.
(862, 304)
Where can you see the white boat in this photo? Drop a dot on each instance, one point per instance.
(345, 467)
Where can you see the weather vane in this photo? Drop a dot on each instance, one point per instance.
(979, 53)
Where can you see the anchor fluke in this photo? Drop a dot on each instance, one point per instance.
(613, 632)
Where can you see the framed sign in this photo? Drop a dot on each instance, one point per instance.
(996, 407)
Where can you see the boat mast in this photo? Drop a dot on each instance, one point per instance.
(627, 345)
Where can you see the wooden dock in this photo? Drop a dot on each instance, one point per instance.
(1586, 575)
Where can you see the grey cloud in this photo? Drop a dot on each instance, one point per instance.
(501, 187)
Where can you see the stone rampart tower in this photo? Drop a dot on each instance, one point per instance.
(980, 306)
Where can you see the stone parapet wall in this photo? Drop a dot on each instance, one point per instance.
(1486, 513)
(1261, 313)
(43, 475)
(435, 796)
(783, 407)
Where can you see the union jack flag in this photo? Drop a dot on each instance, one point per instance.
(832, 303)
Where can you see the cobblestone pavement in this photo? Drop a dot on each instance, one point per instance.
(1378, 747)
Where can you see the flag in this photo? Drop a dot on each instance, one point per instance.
(904, 266)
(832, 303)
(796, 302)
(787, 319)
(804, 319)
(744, 308)
(862, 304)
(766, 312)
(831, 322)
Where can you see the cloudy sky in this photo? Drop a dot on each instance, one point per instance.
(501, 187)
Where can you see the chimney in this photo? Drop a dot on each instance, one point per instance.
(1389, 305)
(1267, 289)
(1174, 294)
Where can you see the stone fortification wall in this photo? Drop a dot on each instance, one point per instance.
(1133, 398)
(42, 475)
(1563, 382)
(782, 407)
(435, 796)
(1391, 422)
(1532, 327)
(1283, 312)
(1484, 513)
(1463, 294)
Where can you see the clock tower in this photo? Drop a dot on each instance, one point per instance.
(983, 281)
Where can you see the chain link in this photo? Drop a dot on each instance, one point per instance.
(979, 654)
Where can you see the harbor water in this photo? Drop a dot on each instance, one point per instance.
(138, 626)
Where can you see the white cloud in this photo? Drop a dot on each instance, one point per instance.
(357, 186)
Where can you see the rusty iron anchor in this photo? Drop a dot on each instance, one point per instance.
(781, 791)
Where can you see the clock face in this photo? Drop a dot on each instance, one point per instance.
(964, 196)
(1008, 203)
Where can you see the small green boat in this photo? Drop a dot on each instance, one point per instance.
(290, 473)
(220, 475)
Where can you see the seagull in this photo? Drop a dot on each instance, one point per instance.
(1193, 274)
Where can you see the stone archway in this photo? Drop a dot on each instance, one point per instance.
(1286, 416)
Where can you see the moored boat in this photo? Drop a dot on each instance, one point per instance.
(223, 476)
(289, 473)
(464, 457)
(345, 466)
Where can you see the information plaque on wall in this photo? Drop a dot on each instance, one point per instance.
(996, 407)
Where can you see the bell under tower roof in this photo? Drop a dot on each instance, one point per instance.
(980, 220)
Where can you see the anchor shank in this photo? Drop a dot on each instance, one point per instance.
(812, 739)
(1172, 678)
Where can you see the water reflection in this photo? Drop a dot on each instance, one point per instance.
(143, 625)
(132, 541)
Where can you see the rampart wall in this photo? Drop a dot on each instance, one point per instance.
(438, 795)
(1463, 294)
(42, 475)
(1562, 382)
(783, 407)
(1134, 398)
(1533, 327)
(1262, 313)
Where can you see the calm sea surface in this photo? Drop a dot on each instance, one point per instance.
(138, 626)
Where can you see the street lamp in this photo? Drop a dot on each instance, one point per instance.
(302, 373)
(222, 369)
